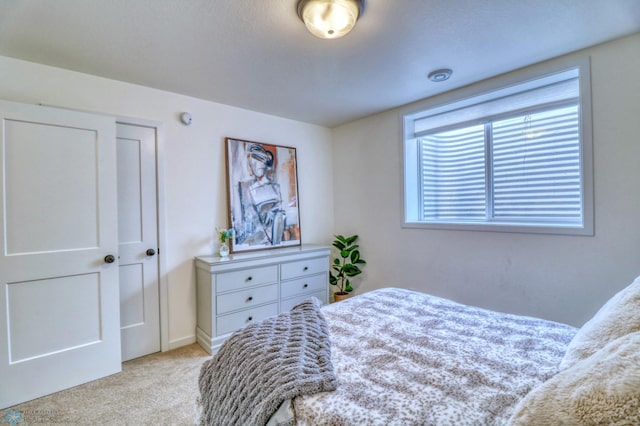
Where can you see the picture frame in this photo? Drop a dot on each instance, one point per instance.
(262, 195)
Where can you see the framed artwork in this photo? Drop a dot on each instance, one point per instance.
(262, 195)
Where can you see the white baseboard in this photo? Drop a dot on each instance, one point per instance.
(184, 341)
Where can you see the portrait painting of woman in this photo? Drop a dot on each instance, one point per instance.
(262, 195)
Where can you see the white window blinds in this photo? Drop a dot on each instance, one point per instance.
(454, 175)
(511, 156)
(554, 89)
(536, 167)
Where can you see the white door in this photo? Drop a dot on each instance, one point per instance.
(59, 304)
(138, 241)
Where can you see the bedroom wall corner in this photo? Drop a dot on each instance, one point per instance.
(195, 179)
(561, 278)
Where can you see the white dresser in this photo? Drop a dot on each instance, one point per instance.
(233, 292)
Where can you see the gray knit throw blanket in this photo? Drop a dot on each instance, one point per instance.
(266, 363)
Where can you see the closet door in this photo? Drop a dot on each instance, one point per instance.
(138, 241)
(59, 302)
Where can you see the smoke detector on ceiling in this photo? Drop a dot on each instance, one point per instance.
(440, 75)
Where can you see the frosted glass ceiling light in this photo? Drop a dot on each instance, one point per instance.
(330, 18)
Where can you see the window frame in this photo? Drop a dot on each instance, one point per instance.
(445, 102)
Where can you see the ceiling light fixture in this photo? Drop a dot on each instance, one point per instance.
(330, 18)
(440, 75)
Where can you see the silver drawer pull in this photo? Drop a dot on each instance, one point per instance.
(249, 299)
(305, 286)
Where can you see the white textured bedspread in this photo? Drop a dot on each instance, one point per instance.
(407, 358)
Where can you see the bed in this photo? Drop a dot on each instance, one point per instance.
(399, 357)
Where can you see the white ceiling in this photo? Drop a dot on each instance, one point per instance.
(257, 54)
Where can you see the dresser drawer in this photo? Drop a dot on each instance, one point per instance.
(232, 322)
(303, 285)
(246, 298)
(304, 267)
(287, 304)
(236, 280)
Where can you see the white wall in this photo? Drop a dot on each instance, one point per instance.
(195, 186)
(562, 278)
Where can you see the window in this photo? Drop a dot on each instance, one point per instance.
(514, 159)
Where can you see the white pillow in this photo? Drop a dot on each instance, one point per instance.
(603, 389)
(619, 316)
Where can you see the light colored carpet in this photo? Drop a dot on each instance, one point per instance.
(158, 389)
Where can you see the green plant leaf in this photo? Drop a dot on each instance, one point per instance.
(351, 270)
(348, 288)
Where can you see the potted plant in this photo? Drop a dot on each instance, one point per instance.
(345, 266)
(224, 235)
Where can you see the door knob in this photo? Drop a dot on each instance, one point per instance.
(109, 258)
(151, 252)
